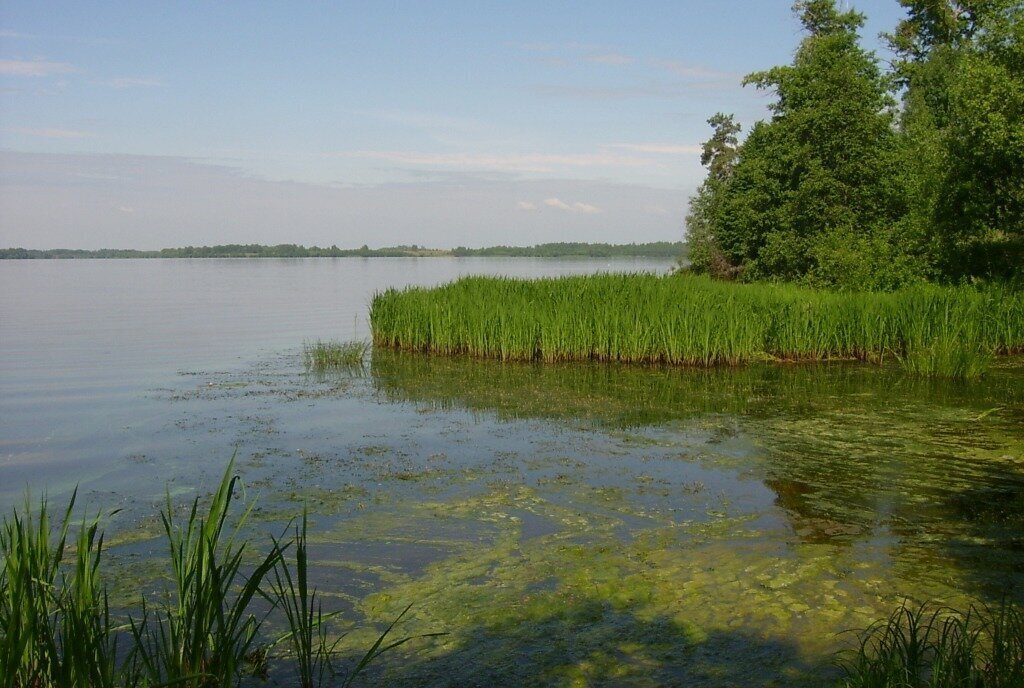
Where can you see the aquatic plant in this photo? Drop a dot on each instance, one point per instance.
(307, 635)
(203, 635)
(56, 628)
(691, 320)
(321, 355)
(933, 647)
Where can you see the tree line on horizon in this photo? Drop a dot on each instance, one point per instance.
(657, 249)
(872, 178)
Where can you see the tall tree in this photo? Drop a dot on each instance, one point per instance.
(719, 156)
(813, 194)
(962, 65)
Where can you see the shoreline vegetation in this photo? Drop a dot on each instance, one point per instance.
(689, 320)
(210, 625)
(656, 249)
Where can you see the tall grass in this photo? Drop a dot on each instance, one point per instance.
(307, 637)
(928, 647)
(55, 627)
(320, 355)
(57, 631)
(205, 633)
(690, 320)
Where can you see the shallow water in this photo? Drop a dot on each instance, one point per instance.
(564, 524)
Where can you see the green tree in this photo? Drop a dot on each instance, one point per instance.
(813, 194)
(962, 64)
(719, 156)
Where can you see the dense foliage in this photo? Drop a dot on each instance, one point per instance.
(844, 187)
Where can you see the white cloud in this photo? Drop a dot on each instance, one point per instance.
(692, 71)
(130, 82)
(34, 68)
(659, 148)
(647, 89)
(526, 205)
(55, 133)
(72, 200)
(553, 61)
(529, 162)
(126, 209)
(577, 207)
(610, 59)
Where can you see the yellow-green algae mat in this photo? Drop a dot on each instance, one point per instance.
(591, 525)
(714, 603)
(611, 593)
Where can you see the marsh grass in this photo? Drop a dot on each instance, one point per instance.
(691, 320)
(204, 633)
(321, 356)
(936, 647)
(56, 628)
(312, 648)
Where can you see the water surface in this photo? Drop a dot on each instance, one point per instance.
(564, 524)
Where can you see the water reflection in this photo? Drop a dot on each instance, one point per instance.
(930, 473)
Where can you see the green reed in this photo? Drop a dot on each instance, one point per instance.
(311, 647)
(204, 634)
(928, 647)
(56, 628)
(690, 320)
(320, 355)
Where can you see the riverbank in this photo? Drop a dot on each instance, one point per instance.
(690, 320)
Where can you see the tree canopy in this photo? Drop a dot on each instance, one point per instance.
(847, 186)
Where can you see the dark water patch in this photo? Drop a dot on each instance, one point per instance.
(589, 642)
(405, 556)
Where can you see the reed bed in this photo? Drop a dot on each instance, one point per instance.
(320, 355)
(57, 630)
(692, 320)
(937, 647)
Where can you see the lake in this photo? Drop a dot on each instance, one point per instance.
(563, 524)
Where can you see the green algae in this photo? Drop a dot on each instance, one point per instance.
(640, 609)
(596, 525)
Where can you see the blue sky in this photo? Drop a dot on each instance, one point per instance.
(144, 125)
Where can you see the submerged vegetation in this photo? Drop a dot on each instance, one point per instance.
(320, 356)
(57, 628)
(611, 621)
(690, 320)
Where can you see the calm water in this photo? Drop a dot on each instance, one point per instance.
(564, 524)
(83, 344)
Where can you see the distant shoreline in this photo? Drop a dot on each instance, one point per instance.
(657, 249)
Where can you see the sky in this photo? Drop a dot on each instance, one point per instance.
(153, 124)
